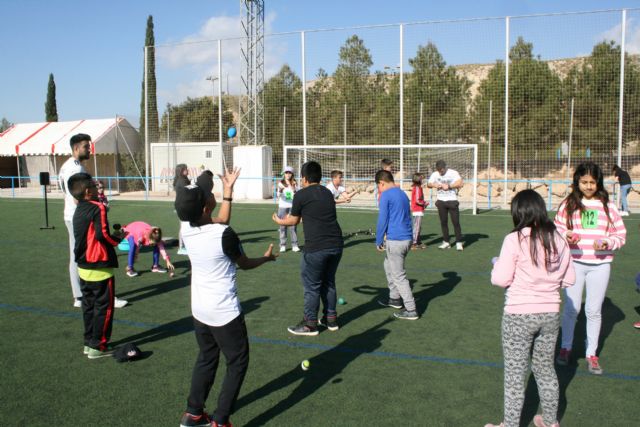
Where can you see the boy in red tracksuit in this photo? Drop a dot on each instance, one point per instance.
(417, 209)
(96, 260)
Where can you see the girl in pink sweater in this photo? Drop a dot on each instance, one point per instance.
(594, 229)
(534, 264)
(142, 234)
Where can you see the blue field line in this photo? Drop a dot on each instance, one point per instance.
(307, 345)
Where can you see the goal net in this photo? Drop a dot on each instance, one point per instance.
(359, 164)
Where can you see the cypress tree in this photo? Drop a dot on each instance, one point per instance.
(50, 108)
(152, 102)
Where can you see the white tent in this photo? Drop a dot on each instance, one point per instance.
(38, 144)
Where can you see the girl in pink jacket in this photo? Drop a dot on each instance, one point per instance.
(534, 264)
(594, 229)
(142, 234)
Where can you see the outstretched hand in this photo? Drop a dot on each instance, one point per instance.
(276, 218)
(229, 178)
(269, 253)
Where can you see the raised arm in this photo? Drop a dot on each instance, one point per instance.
(228, 181)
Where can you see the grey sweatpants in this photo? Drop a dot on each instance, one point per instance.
(399, 287)
(283, 212)
(417, 222)
(519, 333)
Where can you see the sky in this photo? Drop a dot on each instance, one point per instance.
(95, 48)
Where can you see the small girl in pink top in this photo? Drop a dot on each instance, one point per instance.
(534, 264)
(594, 229)
(142, 234)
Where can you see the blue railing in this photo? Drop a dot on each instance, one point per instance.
(110, 180)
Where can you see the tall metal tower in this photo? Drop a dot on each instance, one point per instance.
(252, 109)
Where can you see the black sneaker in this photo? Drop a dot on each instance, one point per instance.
(303, 328)
(190, 420)
(391, 302)
(406, 315)
(329, 322)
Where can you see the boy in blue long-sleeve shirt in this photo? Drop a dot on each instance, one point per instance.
(394, 220)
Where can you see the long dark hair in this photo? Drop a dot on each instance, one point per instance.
(293, 181)
(573, 201)
(528, 210)
(179, 177)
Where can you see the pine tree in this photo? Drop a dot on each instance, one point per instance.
(50, 108)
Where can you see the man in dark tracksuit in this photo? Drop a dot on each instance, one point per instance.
(96, 260)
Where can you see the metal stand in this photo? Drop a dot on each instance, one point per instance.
(46, 212)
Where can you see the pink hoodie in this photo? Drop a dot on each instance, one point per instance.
(530, 288)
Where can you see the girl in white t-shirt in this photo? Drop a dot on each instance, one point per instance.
(287, 187)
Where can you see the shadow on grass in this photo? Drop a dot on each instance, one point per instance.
(611, 315)
(468, 239)
(324, 368)
(352, 241)
(435, 290)
(155, 289)
(180, 326)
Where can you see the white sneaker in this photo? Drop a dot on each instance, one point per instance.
(119, 303)
(459, 246)
(295, 248)
(444, 245)
(77, 303)
(624, 213)
(283, 249)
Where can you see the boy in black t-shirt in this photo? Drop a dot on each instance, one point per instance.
(322, 251)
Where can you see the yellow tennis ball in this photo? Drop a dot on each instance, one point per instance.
(305, 365)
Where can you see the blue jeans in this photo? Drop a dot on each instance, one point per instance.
(624, 190)
(318, 273)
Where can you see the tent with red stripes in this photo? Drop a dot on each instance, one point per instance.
(44, 147)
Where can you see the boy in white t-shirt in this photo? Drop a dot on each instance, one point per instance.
(214, 250)
(447, 182)
(337, 189)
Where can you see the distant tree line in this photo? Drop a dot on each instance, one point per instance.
(539, 102)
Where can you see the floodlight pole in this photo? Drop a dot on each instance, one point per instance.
(220, 96)
(506, 112)
(401, 105)
(146, 123)
(304, 96)
(621, 106)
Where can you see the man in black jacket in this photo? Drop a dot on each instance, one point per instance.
(96, 260)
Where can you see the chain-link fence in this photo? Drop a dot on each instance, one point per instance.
(569, 82)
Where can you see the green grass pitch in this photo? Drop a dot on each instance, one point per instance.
(443, 370)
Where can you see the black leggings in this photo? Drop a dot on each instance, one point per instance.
(450, 207)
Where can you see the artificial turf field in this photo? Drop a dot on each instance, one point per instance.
(443, 370)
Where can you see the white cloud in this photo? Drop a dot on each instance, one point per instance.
(632, 36)
(183, 66)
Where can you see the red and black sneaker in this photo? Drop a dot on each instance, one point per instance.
(563, 357)
(304, 328)
(190, 420)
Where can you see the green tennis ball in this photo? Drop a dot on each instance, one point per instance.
(305, 365)
(341, 301)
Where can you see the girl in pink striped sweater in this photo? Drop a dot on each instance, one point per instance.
(594, 229)
(534, 264)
